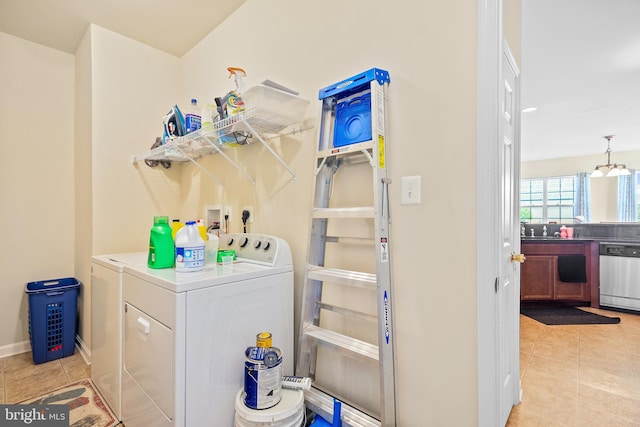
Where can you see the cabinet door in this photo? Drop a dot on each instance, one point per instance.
(537, 277)
(571, 291)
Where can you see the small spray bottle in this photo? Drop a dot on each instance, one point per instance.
(234, 103)
(238, 74)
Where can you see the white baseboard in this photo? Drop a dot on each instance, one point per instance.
(84, 351)
(15, 348)
(25, 346)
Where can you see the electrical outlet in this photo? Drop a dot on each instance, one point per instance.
(227, 212)
(250, 209)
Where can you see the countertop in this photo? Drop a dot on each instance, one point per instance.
(551, 239)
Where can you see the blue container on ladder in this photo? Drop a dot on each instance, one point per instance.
(53, 307)
(353, 106)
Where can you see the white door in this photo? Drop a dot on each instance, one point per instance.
(508, 282)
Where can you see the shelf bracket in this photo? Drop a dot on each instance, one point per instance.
(202, 168)
(273, 153)
(229, 159)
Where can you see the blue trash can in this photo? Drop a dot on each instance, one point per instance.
(53, 306)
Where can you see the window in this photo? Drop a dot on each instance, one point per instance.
(638, 193)
(547, 200)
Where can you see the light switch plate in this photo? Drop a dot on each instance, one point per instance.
(410, 190)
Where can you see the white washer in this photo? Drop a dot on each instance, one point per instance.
(185, 333)
(106, 324)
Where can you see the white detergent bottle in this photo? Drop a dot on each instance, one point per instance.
(190, 249)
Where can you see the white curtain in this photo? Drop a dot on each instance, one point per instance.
(582, 205)
(627, 201)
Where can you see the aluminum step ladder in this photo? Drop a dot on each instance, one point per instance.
(348, 259)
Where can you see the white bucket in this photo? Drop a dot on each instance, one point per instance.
(289, 412)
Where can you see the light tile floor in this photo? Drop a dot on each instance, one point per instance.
(577, 376)
(582, 375)
(21, 379)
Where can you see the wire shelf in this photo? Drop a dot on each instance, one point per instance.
(228, 133)
(235, 131)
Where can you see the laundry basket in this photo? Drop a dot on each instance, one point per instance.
(52, 318)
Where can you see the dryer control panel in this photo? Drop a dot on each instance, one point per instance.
(257, 248)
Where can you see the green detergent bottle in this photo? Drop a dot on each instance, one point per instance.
(161, 247)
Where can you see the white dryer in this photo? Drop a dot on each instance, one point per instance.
(106, 323)
(185, 333)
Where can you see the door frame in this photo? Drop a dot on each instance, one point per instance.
(490, 56)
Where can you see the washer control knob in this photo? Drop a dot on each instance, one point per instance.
(243, 242)
(266, 246)
(257, 244)
(230, 241)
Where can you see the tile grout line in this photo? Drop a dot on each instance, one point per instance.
(578, 371)
(629, 355)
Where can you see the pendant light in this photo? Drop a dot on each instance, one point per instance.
(610, 169)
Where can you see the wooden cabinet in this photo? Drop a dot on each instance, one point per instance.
(539, 277)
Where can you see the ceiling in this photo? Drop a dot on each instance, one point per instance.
(580, 58)
(171, 26)
(581, 68)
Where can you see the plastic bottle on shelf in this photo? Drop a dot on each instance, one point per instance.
(206, 115)
(161, 248)
(190, 249)
(192, 118)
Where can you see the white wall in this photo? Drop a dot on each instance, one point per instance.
(133, 87)
(130, 87)
(431, 57)
(36, 176)
(604, 191)
(82, 187)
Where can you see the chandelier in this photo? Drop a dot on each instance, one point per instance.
(610, 169)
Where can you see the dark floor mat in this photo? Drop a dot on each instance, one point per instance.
(566, 316)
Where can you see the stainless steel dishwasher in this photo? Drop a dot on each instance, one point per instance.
(620, 275)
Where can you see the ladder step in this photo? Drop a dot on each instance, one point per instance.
(322, 403)
(347, 150)
(348, 312)
(369, 241)
(342, 277)
(359, 212)
(349, 346)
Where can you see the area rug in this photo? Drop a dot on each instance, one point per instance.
(566, 316)
(86, 407)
